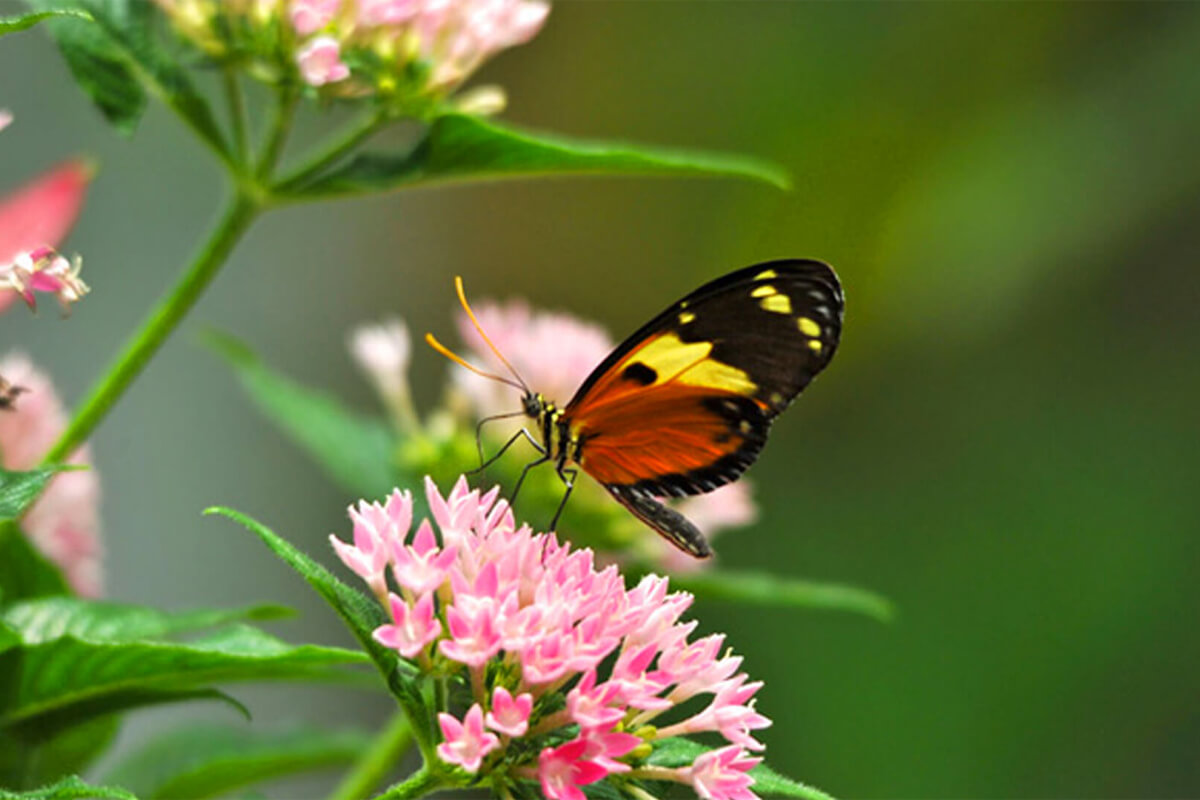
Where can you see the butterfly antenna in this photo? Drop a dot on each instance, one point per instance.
(462, 298)
(432, 341)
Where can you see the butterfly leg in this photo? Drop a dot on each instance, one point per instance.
(479, 439)
(537, 462)
(528, 437)
(568, 478)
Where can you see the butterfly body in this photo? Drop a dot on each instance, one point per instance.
(684, 405)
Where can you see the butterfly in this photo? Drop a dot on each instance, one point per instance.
(685, 403)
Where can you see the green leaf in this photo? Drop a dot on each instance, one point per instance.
(764, 589)
(51, 618)
(68, 677)
(208, 760)
(22, 21)
(28, 762)
(680, 752)
(24, 572)
(72, 788)
(99, 65)
(361, 614)
(354, 450)
(461, 147)
(18, 490)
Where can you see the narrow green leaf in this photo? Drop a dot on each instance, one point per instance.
(208, 760)
(769, 783)
(42, 620)
(764, 589)
(65, 675)
(680, 752)
(18, 490)
(461, 147)
(24, 572)
(362, 615)
(72, 788)
(354, 450)
(22, 21)
(99, 65)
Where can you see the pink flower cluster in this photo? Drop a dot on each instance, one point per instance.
(64, 524)
(555, 651)
(452, 36)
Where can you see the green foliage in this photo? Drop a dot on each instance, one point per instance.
(98, 64)
(18, 490)
(115, 53)
(354, 450)
(21, 22)
(361, 615)
(764, 589)
(460, 147)
(71, 788)
(209, 760)
(24, 572)
(66, 663)
(680, 752)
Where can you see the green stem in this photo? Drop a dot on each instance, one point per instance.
(421, 782)
(332, 152)
(371, 767)
(237, 114)
(239, 213)
(281, 124)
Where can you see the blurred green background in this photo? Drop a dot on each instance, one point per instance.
(1007, 444)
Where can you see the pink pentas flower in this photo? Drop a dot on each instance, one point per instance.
(466, 742)
(554, 650)
(64, 523)
(723, 774)
(6, 118)
(320, 62)
(387, 12)
(509, 715)
(34, 219)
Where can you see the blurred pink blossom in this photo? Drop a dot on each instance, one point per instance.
(6, 118)
(533, 624)
(36, 218)
(64, 523)
(320, 62)
(309, 16)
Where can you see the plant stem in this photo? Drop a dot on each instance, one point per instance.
(351, 138)
(421, 782)
(237, 115)
(281, 124)
(240, 211)
(373, 765)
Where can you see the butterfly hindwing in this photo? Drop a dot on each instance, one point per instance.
(684, 404)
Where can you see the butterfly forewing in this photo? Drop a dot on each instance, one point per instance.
(684, 404)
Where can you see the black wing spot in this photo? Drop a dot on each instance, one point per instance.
(639, 373)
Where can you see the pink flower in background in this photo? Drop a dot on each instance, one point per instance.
(6, 118)
(64, 523)
(553, 352)
(320, 62)
(34, 219)
(555, 648)
(309, 16)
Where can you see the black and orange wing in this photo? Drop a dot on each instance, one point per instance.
(684, 404)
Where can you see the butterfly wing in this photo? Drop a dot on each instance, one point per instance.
(684, 404)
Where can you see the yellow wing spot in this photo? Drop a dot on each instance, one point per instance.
(814, 345)
(766, 275)
(745, 427)
(808, 327)
(686, 317)
(690, 365)
(778, 303)
(776, 399)
(763, 291)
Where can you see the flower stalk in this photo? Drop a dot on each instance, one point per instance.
(240, 212)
